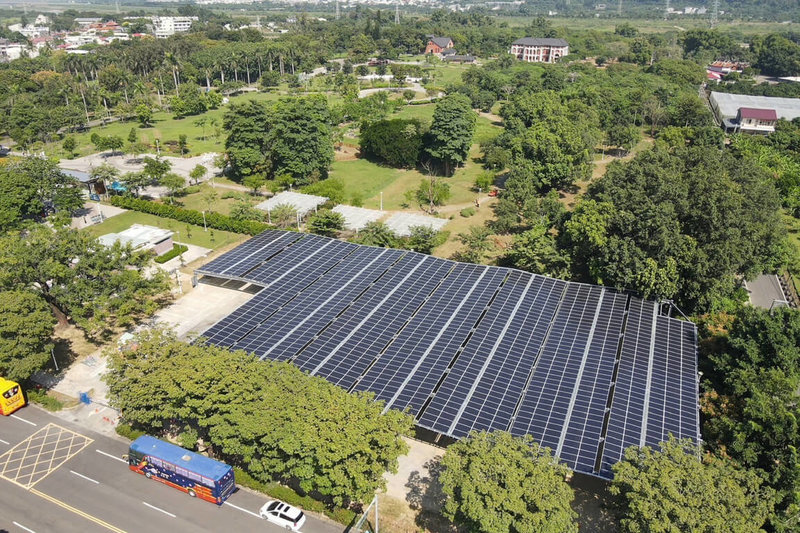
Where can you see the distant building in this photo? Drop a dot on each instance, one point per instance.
(752, 114)
(437, 45)
(458, 58)
(10, 50)
(169, 26)
(539, 50)
(86, 22)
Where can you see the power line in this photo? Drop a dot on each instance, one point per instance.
(715, 13)
(337, 9)
(397, 14)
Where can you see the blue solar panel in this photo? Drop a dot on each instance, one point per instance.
(284, 333)
(630, 390)
(286, 281)
(300, 255)
(406, 374)
(673, 383)
(569, 390)
(346, 349)
(237, 262)
(484, 386)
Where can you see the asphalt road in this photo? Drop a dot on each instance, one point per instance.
(58, 477)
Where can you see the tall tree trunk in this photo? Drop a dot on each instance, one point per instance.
(175, 79)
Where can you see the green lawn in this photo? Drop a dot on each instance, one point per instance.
(196, 235)
(484, 129)
(222, 205)
(366, 179)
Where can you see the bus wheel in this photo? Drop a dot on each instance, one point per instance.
(148, 475)
(192, 493)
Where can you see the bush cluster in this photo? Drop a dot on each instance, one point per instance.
(190, 216)
(41, 397)
(177, 249)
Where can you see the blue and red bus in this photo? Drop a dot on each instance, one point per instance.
(195, 474)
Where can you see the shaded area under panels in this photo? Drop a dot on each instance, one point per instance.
(249, 254)
(284, 284)
(286, 331)
(407, 373)
(564, 405)
(345, 350)
(482, 389)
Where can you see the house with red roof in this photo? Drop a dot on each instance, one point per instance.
(756, 120)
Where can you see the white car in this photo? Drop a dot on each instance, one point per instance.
(283, 514)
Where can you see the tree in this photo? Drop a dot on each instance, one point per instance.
(751, 408)
(672, 490)
(269, 418)
(144, 114)
(255, 182)
(99, 288)
(244, 210)
(69, 146)
(535, 250)
(135, 181)
(104, 173)
(155, 168)
(31, 186)
(326, 222)
(376, 234)
(283, 216)
(270, 79)
(432, 193)
(451, 131)
(498, 483)
(424, 239)
(476, 244)
(201, 123)
(198, 172)
(133, 138)
(182, 142)
(174, 183)
(26, 329)
(396, 142)
(624, 137)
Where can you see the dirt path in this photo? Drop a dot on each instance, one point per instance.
(491, 116)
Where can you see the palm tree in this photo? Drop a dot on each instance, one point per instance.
(173, 61)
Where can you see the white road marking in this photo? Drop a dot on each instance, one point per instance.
(112, 456)
(4, 442)
(157, 509)
(23, 527)
(86, 478)
(23, 420)
(243, 510)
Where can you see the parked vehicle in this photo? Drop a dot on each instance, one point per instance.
(283, 515)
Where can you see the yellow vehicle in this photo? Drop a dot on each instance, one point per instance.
(11, 397)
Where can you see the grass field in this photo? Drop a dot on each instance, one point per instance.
(221, 205)
(655, 25)
(196, 235)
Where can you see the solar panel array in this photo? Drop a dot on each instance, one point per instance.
(586, 370)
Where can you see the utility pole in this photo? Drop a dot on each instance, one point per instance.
(715, 13)
(337, 9)
(397, 14)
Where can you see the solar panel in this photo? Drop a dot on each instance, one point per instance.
(237, 262)
(285, 282)
(284, 333)
(673, 383)
(345, 351)
(564, 405)
(469, 347)
(406, 374)
(501, 350)
(631, 388)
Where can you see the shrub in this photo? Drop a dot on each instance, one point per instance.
(40, 397)
(177, 249)
(125, 430)
(190, 216)
(467, 212)
(230, 194)
(193, 189)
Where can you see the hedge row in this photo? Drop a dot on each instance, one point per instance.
(177, 249)
(287, 495)
(190, 216)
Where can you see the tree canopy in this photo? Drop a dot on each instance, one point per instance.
(26, 327)
(450, 135)
(496, 483)
(269, 418)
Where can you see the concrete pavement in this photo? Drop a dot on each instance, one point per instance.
(59, 477)
(764, 290)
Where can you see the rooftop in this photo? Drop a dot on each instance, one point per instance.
(540, 41)
(355, 218)
(138, 236)
(401, 223)
(758, 114)
(729, 104)
(302, 203)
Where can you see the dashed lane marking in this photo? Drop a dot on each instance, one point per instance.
(243, 510)
(85, 477)
(23, 527)
(120, 459)
(159, 509)
(23, 420)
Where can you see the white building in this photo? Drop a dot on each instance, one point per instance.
(169, 26)
(10, 51)
(539, 50)
(30, 31)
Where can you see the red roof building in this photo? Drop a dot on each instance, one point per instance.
(756, 120)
